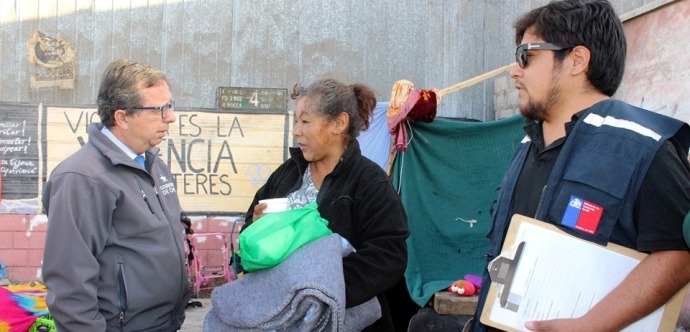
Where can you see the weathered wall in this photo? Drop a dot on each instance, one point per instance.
(657, 74)
(657, 66)
(203, 45)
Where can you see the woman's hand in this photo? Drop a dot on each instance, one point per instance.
(259, 211)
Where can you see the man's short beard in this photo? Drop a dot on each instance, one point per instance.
(539, 110)
(534, 111)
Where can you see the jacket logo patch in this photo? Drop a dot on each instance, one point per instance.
(167, 188)
(582, 215)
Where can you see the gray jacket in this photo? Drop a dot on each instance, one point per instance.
(114, 257)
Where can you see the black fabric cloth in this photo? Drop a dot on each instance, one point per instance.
(402, 307)
(427, 320)
(361, 205)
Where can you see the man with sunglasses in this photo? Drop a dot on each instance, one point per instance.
(627, 165)
(114, 257)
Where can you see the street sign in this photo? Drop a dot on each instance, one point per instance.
(265, 99)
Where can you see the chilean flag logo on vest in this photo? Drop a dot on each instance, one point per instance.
(582, 215)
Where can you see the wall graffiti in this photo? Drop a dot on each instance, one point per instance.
(19, 158)
(54, 60)
(258, 174)
(218, 158)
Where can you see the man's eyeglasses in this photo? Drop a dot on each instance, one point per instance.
(521, 51)
(165, 109)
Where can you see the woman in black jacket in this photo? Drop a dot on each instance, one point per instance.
(352, 192)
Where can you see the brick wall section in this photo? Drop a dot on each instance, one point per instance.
(505, 97)
(22, 240)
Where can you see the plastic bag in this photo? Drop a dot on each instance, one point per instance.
(271, 239)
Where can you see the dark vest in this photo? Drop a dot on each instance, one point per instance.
(593, 185)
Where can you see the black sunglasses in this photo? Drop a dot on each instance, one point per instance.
(164, 109)
(521, 51)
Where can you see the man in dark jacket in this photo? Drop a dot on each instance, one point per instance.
(114, 257)
(623, 168)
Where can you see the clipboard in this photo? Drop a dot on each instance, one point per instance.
(508, 275)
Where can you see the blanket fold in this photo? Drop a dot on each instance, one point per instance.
(306, 292)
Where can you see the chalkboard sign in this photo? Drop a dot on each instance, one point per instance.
(19, 149)
(265, 99)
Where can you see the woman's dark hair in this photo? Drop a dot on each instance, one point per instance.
(590, 23)
(330, 97)
(187, 223)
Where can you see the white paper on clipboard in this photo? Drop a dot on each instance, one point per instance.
(556, 275)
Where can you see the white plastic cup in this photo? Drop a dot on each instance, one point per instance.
(275, 204)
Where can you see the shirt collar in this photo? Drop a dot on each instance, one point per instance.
(109, 134)
(534, 130)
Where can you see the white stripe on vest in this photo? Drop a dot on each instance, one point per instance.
(598, 121)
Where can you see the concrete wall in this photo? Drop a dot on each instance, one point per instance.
(657, 66)
(203, 45)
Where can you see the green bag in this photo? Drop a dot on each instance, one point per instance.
(271, 239)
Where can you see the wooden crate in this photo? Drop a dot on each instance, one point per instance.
(447, 303)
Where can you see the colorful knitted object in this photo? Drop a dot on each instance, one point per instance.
(21, 305)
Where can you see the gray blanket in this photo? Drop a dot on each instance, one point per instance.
(306, 292)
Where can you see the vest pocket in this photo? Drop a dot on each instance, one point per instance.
(588, 201)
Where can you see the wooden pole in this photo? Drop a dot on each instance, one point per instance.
(472, 81)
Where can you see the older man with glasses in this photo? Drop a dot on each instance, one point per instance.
(114, 259)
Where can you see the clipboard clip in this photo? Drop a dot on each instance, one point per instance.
(502, 270)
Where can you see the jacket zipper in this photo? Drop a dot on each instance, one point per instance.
(160, 203)
(122, 297)
(146, 199)
(327, 182)
(159, 198)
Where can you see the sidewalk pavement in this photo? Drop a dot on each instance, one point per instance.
(194, 317)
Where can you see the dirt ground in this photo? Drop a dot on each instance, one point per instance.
(194, 316)
(194, 320)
